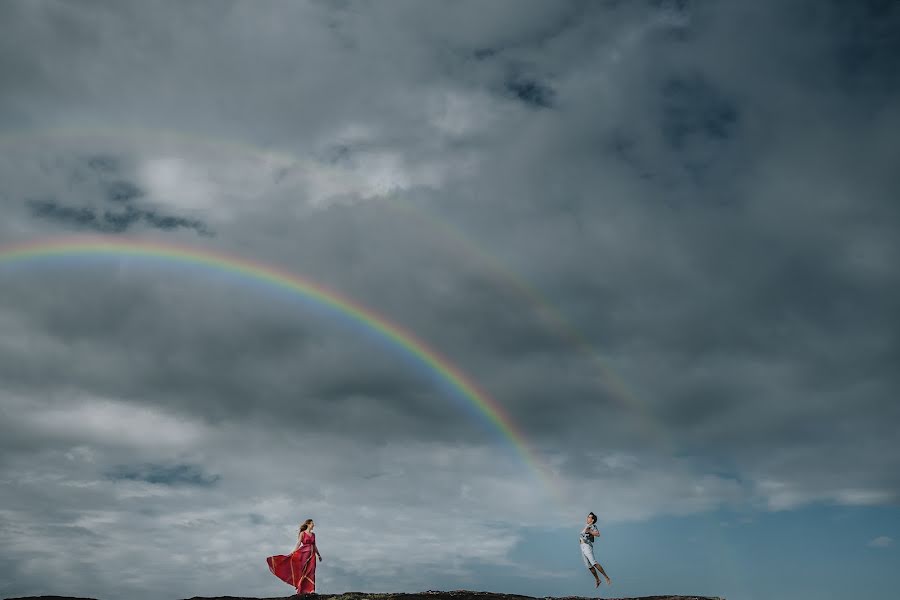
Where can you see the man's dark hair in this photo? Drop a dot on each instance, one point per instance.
(593, 516)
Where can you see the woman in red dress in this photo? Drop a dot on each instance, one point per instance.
(299, 567)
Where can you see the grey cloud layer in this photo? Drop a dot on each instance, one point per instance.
(651, 201)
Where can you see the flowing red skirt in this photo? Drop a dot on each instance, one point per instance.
(297, 569)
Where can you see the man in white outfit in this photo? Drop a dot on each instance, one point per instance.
(586, 542)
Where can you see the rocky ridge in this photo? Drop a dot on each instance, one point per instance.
(428, 595)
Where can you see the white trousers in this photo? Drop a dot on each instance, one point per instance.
(587, 553)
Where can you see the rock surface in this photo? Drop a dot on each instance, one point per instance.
(429, 595)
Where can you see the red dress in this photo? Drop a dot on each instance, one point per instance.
(298, 568)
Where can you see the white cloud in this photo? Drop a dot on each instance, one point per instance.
(215, 180)
(177, 183)
(778, 495)
(781, 495)
(108, 422)
(861, 497)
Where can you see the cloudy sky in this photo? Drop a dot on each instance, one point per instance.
(661, 236)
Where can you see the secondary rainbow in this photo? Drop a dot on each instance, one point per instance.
(277, 277)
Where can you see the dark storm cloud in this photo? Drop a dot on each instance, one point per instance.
(531, 92)
(169, 222)
(179, 474)
(104, 164)
(122, 191)
(49, 209)
(692, 108)
(485, 53)
(697, 123)
(112, 221)
(866, 48)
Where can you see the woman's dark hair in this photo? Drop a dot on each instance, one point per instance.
(593, 516)
(306, 523)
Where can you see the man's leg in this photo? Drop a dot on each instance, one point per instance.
(589, 561)
(600, 568)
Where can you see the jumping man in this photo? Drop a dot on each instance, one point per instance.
(586, 541)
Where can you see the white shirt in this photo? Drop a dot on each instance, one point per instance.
(588, 533)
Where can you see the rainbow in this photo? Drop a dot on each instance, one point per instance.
(543, 309)
(276, 277)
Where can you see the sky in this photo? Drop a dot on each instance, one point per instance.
(635, 258)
